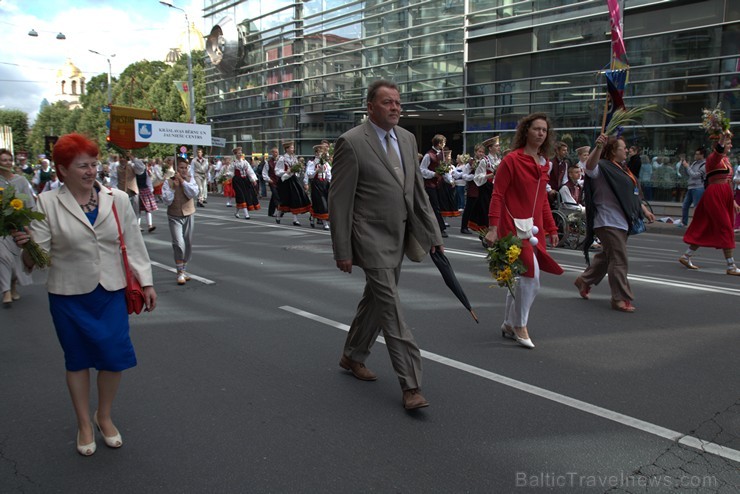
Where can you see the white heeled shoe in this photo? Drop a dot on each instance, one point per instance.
(507, 332)
(86, 449)
(525, 342)
(114, 441)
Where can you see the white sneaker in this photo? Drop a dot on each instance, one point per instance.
(326, 227)
(181, 278)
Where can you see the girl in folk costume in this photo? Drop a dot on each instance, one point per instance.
(292, 196)
(156, 174)
(244, 182)
(147, 202)
(475, 216)
(42, 175)
(467, 173)
(446, 189)
(178, 193)
(484, 174)
(714, 217)
(318, 171)
(227, 176)
(460, 182)
(520, 192)
(430, 170)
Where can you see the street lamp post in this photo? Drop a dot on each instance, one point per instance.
(107, 58)
(191, 89)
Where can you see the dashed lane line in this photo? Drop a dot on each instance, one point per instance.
(656, 430)
(687, 285)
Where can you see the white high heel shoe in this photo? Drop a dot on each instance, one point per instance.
(111, 441)
(525, 342)
(507, 332)
(86, 449)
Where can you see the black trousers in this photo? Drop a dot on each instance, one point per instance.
(470, 204)
(274, 200)
(433, 194)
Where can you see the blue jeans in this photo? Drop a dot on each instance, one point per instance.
(460, 196)
(691, 200)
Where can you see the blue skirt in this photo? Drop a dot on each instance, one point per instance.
(93, 330)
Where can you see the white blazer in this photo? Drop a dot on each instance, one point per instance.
(85, 255)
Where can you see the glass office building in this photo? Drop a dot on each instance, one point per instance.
(298, 70)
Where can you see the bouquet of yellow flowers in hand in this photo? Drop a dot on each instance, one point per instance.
(504, 262)
(15, 216)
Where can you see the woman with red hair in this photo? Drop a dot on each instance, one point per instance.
(86, 281)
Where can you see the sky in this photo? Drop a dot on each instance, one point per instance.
(133, 30)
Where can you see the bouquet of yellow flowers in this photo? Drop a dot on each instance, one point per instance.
(504, 262)
(15, 216)
(714, 122)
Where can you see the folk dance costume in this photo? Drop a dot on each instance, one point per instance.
(292, 196)
(199, 170)
(483, 179)
(432, 180)
(181, 219)
(268, 175)
(448, 196)
(227, 172)
(471, 202)
(318, 171)
(243, 182)
(714, 217)
(147, 202)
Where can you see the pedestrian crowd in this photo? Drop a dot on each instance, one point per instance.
(382, 201)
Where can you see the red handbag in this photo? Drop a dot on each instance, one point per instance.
(135, 301)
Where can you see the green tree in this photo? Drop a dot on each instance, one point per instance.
(18, 121)
(92, 121)
(54, 119)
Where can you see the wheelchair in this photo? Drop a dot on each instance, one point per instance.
(571, 225)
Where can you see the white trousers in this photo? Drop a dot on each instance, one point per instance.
(526, 289)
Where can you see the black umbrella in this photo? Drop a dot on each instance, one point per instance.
(443, 264)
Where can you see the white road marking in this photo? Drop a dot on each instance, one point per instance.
(687, 285)
(205, 281)
(674, 436)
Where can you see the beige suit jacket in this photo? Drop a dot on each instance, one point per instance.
(374, 213)
(85, 255)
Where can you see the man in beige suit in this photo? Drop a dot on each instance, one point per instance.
(379, 211)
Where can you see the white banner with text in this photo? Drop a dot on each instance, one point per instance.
(172, 132)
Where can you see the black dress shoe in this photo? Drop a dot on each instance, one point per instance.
(465, 231)
(444, 234)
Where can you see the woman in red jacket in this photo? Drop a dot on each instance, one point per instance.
(520, 192)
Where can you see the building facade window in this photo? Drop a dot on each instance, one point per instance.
(470, 69)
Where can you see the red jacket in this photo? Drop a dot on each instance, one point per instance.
(517, 180)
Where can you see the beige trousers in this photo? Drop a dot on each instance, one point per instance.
(380, 310)
(612, 260)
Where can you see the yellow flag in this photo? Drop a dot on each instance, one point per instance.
(184, 90)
